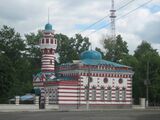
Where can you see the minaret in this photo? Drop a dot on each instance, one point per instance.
(48, 45)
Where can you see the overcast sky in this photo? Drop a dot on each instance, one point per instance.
(72, 16)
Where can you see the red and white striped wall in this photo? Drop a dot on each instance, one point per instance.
(48, 45)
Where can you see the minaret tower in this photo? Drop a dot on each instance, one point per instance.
(113, 16)
(48, 45)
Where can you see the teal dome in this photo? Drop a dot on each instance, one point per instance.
(91, 54)
(48, 26)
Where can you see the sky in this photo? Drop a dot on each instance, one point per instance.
(73, 16)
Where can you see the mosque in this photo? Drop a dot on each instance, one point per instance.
(90, 82)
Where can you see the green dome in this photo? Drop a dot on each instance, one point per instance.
(90, 54)
(48, 26)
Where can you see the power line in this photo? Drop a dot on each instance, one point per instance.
(106, 16)
(122, 16)
(125, 4)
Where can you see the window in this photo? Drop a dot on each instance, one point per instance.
(123, 93)
(42, 40)
(117, 93)
(105, 80)
(93, 93)
(51, 41)
(102, 93)
(51, 51)
(86, 93)
(51, 62)
(45, 51)
(109, 93)
(120, 81)
(47, 40)
(90, 79)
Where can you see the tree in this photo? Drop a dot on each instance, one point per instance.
(79, 45)
(69, 49)
(63, 48)
(7, 77)
(146, 54)
(99, 50)
(115, 49)
(33, 50)
(14, 66)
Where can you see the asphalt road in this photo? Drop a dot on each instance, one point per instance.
(93, 115)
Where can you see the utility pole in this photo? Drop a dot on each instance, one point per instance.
(147, 83)
(88, 84)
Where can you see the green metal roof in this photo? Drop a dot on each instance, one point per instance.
(48, 26)
(91, 54)
(101, 62)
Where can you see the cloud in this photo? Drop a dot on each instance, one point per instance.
(65, 15)
(151, 32)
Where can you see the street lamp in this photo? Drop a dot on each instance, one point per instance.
(88, 84)
(147, 83)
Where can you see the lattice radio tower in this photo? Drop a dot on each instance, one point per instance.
(113, 16)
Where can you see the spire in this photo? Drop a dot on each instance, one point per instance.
(48, 26)
(48, 14)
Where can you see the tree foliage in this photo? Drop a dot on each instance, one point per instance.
(69, 49)
(115, 49)
(146, 54)
(14, 67)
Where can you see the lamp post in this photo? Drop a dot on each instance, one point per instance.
(88, 84)
(147, 83)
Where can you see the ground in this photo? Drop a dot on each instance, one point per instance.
(83, 115)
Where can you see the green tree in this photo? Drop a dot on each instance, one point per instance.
(115, 49)
(102, 53)
(14, 66)
(33, 50)
(144, 54)
(70, 48)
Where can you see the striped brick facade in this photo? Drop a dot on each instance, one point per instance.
(74, 94)
(107, 84)
(48, 45)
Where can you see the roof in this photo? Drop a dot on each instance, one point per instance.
(48, 26)
(91, 54)
(63, 78)
(101, 62)
(27, 97)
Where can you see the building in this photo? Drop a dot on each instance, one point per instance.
(90, 82)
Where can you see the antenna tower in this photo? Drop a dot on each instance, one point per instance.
(113, 16)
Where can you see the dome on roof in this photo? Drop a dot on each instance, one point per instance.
(48, 26)
(91, 54)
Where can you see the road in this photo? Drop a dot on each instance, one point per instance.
(84, 115)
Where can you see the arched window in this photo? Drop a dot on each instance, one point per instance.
(51, 51)
(117, 93)
(51, 41)
(93, 93)
(45, 51)
(123, 93)
(109, 93)
(42, 40)
(90, 79)
(102, 93)
(86, 93)
(47, 40)
(51, 62)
